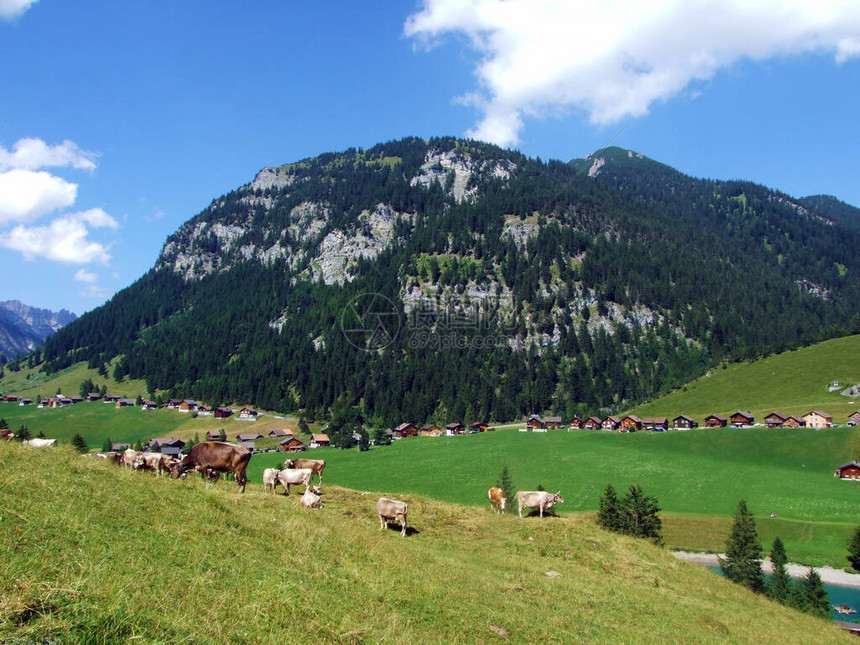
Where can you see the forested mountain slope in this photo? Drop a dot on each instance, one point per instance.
(453, 280)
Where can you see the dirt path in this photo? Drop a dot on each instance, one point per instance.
(828, 574)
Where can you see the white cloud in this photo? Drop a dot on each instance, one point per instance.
(95, 292)
(10, 9)
(65, 239)
(26, 195)
(33, 154)
(86, 276)
(615, 59)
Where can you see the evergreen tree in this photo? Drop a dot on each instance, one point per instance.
(138, 446)
(304, 428)
(364, 442)
(23, 434)
(640, 515)
(154, 446)
(854, 550)
(80, 443)
(4, 425)
(811, 597)
(87, 386)
(41, 435)
(381, 437)
(107, 445)
(779, 586)
(222, 435)
(609, 513)
(506, 483)
(742, 563)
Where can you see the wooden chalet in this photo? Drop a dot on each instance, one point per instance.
(631, 423)
(479, 426)
(93, 396)
(611, 423)
(817, 419)
(575, 422)
(683, 422)
(249, 437)
(794, 422)
(173, 404)
(592, 423)
(657, 424)
(223, 413)
(25, 402)
(148, 405)
(320, 440)
(187, 406)
(535, 423)
(291, 444)
(124, 403)
(248, 414)
(213, 435)
(10, 398)
(775, 419)
(171, 447)
(120, 447)
(204, 410)
(430, 430)
(716, 421)
(741, 419)
(76, 399)
(851, 470)
(406, 430)
(111, 398)
(552, 423)
(281, 432)
(455, 428)
(854, 418)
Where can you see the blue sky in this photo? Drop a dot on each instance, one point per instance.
(120, 121)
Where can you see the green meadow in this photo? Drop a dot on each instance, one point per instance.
(93, 553)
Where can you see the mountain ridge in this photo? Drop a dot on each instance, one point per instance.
(24, 328)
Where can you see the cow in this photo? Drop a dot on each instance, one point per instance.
(294, 477)
(39, 443)
(317, 465)
(270, 479)
(216, 456)
(312, 498)
(497, 499)
(157, 461)
(390, 510)
(132, 458)
(115, 457)
(538, 499)
(7, 434)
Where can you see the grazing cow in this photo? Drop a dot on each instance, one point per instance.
(132, 458)
(270, 479)
(295, 477)
(157, 461)
(390, 510)
(115, 457)
(39, 443)
(312, 498)
(217, 457)
(497, 499)
(317, 465)
(7, 434)
(538, 499)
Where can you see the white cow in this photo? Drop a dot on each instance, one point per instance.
(39, 443)
(391, 510)
(295, 477)
(156, 461)
(270, 479)
(538, 499)
(312, 498)
(132, 458)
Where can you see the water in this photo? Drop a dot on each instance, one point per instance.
(839, 595)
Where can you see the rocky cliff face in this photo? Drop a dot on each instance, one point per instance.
(23, 328)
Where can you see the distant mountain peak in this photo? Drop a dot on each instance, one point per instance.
(23, 328)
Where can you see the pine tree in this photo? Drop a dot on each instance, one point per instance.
(80, 443)
(742, 563)
(854, 550)
(23, 434)
(812, 598)
(4, 425)
(779, 587)
(609, 514)
(222, 435)
(640, 515)
(506, 483)
(138, 446)
(107, 445)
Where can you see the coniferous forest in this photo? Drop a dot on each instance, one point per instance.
(506, 286)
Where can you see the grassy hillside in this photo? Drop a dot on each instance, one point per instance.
(93, 553)
(697, 476)
(32, 383)
(794, 382)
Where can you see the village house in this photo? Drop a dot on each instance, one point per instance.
(430, 430)
(25, 402)
(187, 406)
(817, 419)
(148, 405)
(741, 419)
(124, 403)
(173, 404)
(775, 419)
(657, 424)
(320, 440)
(631, 423)
(716, 421)
(223, 413)
(204, 410)
(454, 429)
(552, 423)
(611, 423)
(247, 414)
(291, 444)
(575, 422)
(111, 398)
(535, 423)
(120, 447)
(249, 437)
(854, 418)
(851, 470)
(794, 422)
(94, 396)
(479, 426)
(683, 422)
(10, 398)
(170, 447)
(213, 435)
(592, 423)
(406, 430)
(281, 432)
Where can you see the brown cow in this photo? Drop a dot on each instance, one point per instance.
(316, 465)
(497, 499)
(216, 456)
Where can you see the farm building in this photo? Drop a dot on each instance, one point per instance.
(291, 444)
(479, 426)
(611, 423)
(683, 422)
(818, 419)
(455, 428)
(631, 423)
(851, 470)
(716, 421)
(655, 423)
(223, 413)
(320, 440)
(575, 422)
(406, 430)
(535, 423)
(854, 418)
(213, 435)
(794, 422)
(187, 406)
(204, 410)
(741, 419)
(592, 423)
(281, 432)
(248, 414)
(775, 419)
(430, 430)
(552, 423)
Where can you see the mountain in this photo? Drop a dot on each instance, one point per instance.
(451, 280)
(24, 328)
(844, 214)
